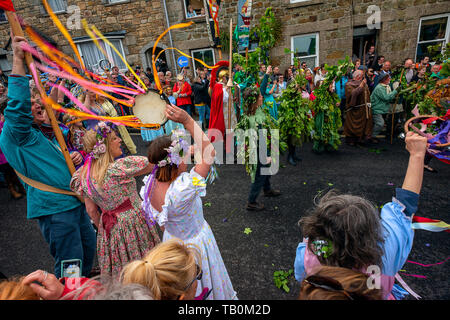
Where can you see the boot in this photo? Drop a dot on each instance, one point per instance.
(16, 195)
(255, 206)
(291, 160)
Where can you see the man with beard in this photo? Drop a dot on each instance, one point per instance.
(358, 121)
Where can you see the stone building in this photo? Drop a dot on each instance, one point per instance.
(319, 31)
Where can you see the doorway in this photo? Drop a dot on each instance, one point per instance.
(161, 63)
(361, 35)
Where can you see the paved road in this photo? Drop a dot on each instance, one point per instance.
(251, 259)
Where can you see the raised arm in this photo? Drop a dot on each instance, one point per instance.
(200, 138)
(416, 145)
(18, 116)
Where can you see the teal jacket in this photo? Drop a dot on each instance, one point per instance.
(381, 100)
(33, 155)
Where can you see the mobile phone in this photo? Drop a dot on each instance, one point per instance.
(71, 268)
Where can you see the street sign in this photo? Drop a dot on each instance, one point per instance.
(183, 62)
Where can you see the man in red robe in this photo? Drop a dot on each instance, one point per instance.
(216, 119)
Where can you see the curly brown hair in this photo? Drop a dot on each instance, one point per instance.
(353, 226)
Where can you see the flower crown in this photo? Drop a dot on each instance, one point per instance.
(177, 150)
(100, 147)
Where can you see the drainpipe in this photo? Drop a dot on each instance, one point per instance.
(170, 38)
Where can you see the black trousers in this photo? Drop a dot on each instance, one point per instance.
(261, 183)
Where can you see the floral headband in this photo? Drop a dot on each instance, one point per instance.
(322, 248)
(100, 147)
(177, 150)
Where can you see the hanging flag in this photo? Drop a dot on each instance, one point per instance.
(7, 5)
(213, 12)
(244, 19)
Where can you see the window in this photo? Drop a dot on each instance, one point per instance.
(58, 5)
(434, 30)
(194, 8)
(206, 55)
(306, 48)
(3, 16)
(92, 56)
(5, 66)
(115, 1)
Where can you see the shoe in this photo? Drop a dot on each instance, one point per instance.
(16, 195)
(430, 169)
(272, 193)
(255, 206)
(292, 161)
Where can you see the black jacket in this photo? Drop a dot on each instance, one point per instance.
(200, 91)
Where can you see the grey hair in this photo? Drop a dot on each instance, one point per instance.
(106, 288)
(357, 73)
(118, 291)
(353, 226)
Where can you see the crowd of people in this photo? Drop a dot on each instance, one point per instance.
(122, 225)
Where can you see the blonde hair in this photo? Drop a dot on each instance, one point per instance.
(166, 270)
(98, 166)
(15, 290)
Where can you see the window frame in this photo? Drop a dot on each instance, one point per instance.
(61, 11)
(109, 3)
(190, 18)
(199, 50)
(108, 49)
(317, 57)
(446, 38)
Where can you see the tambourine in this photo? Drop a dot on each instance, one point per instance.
(409, 125)
(151, 107)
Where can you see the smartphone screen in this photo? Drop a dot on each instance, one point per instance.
(71, 268)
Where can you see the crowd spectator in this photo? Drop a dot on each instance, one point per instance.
(421, 73)
(182, 92)
(409, 69)
(370, 57)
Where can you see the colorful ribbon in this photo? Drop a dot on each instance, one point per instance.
(429, 224)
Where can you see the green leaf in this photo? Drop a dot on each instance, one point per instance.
(247, 231)
(330, 184)
(286, 288)
(208, 204)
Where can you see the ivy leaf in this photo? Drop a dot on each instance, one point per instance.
(330, 184)
(208, 204)
(286, 288)
(247, 231)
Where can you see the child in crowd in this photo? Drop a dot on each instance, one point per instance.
(347, 231)
(172, 197)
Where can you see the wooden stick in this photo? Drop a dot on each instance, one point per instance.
(365, 92)
(395, 107)
(17, 31)
(230, 75)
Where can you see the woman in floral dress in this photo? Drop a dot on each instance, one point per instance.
(123, 234)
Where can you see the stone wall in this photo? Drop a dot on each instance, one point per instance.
(334, 20)
(143, 21)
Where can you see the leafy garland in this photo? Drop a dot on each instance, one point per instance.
(267, 32)
(431, 95)
(294, 120)
(246, 123)
(327, 118)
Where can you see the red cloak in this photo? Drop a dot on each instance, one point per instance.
(216, 118)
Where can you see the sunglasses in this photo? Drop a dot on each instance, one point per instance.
(198, 277)
(330, 284)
